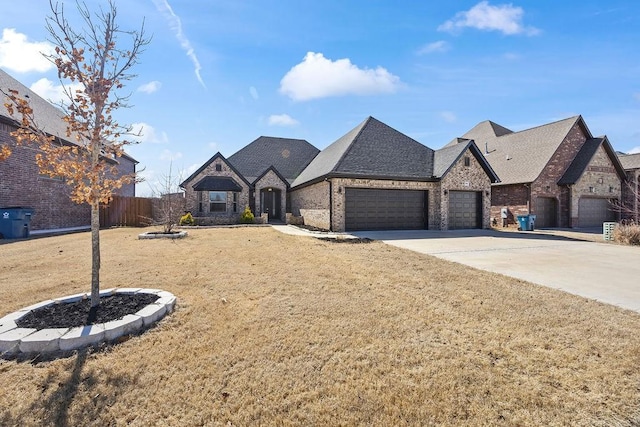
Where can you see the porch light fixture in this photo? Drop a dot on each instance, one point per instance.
(446, 192)
(487, 193)
(270, 189)
(339, 190)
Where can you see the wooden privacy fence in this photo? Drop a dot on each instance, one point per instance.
(127, 211)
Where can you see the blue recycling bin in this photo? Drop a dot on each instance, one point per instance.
(526, 222)
(15, 222)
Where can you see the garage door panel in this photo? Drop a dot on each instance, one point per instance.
(592, 212)
(463, 209)
(376, 209)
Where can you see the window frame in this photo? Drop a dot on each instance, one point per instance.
(218, 205)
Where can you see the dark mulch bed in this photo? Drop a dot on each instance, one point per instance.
(69, 315)
(354, 240)
(312, 228)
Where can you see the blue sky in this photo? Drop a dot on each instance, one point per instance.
(219, 74)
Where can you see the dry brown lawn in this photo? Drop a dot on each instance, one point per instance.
(272, 329)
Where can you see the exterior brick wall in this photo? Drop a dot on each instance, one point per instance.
(312, 203)
(599, 180)
(271, 180)
(195, 198)
(21, 184)
(514, 197)
(465, 178)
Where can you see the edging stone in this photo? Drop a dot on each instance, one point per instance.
(27, 342)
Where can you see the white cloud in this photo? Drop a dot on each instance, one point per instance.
(504, 18)
(191, 169)
(319, 77)
(635, 150)
(18, 54)
(448, 116)
(282, 120)
(213, 145)
(52, 92)
(150, 87)
(170, 155)
(254, 92)
(148, 134)
(439, 46)
(175, 24)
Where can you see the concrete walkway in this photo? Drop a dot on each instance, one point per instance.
(605, 272)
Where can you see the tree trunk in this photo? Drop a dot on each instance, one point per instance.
(95, 253)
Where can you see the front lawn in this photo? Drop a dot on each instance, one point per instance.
(272, 329)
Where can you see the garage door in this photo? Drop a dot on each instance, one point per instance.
(373, 209)
(593, 212)
(546, 212)
(464, 210)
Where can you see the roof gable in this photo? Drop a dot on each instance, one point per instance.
(446, 157)
(371, 149)
(275, 171)
(288, 156)
(520, 157)
(582, 160)
(218, 155)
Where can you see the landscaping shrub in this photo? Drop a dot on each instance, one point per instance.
(629, 234)
(187, 219)
(247, 216)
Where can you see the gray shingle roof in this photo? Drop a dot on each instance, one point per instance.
(371, 149)
(581, 161)
(520, 157)
(48, 117)
(288, 156)
(630, 161)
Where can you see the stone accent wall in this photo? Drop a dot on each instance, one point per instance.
(339, 184)
(312, 203)
(599, 180)
(271, 180)
(465, 178)
(193, 198)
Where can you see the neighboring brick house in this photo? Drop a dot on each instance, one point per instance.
(631, 191)
(557, 171)
(21, 183)
(258, 176)
(375, 177)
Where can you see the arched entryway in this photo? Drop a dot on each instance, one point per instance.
(270, 203)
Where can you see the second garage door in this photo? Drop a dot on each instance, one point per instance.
(593, 212)
(464, 210)
(374, 209)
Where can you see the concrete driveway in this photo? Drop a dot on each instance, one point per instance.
(602, 271)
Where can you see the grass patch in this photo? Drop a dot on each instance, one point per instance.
(272, 329)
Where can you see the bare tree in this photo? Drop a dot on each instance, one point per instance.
(92, 58)
(170, 205)
(629, 206)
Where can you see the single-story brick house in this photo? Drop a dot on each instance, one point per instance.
(21, 183)
(373, 177)
(631, 191)
(558, 171)
(259, 176)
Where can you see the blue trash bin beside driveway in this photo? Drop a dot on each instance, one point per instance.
(526, 222)
(15, 222)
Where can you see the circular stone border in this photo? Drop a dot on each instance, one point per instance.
(26, 342)
(161, 235)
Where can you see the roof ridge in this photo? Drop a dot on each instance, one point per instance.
(362, 125)
(575, 119)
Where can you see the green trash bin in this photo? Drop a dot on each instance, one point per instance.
(15, 222)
